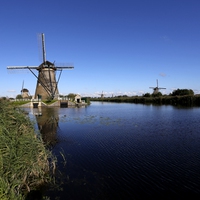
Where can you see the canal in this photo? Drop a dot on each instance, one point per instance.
(123, 150)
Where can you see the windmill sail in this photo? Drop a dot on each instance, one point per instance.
(43, 49)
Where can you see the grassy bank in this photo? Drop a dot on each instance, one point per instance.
(25, 163)
(18, 103)
(186, 100)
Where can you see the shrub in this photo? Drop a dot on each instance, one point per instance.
(182, 92)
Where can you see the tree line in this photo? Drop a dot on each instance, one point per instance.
(184, 97)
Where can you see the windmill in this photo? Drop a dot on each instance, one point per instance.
(156, 89)
(24, 92)
(47, 85)
(102, 95)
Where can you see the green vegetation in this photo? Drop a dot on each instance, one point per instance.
(18, 103)
(86, 99)
(182, 92)
(182, 97)
(19, 96)
(71, 97)
(25, 164)
(48, 102)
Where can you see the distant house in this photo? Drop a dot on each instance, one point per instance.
(77, 98)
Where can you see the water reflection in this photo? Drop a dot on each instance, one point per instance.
(47, 121)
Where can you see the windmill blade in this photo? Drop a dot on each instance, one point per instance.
(65, 67)
(60, 66)
(22, 67)
(23, 85)
(39, 42)
(43, 48)
(161, 88)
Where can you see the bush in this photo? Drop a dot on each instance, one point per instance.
(147, 95)
(182, 92)
(71, 96)
(158, 94)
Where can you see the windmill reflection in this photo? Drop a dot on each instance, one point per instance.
(47, 121)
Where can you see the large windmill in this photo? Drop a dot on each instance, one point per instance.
(156, 89)
(47, 85)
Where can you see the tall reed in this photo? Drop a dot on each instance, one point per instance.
(25, 163)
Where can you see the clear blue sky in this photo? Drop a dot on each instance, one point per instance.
(116, 46)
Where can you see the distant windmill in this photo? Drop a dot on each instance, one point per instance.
(24, 92)
(156, 89)
(47, 85)
(102, 95)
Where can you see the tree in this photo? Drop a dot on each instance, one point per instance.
(147, 95)
(182, 92)
(157, 94)
(19, 96)
(71, 96)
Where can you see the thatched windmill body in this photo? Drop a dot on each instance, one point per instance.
(47, 85)
(25, 93)
(156, 89)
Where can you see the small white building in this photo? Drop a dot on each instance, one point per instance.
(77, 98)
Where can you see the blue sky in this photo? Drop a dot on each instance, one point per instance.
(116, 46)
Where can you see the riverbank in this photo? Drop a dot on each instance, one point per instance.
(186, 100)
(25, 164)
(53, 103)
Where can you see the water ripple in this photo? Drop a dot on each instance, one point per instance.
(128, 151)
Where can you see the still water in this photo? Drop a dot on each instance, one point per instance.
(124, 151)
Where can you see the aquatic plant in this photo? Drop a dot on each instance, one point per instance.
(25, 163)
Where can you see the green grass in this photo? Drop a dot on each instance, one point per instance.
(48, 102)
(25, 163)
(19, 103)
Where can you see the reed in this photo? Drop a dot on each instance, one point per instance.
(25, 163)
